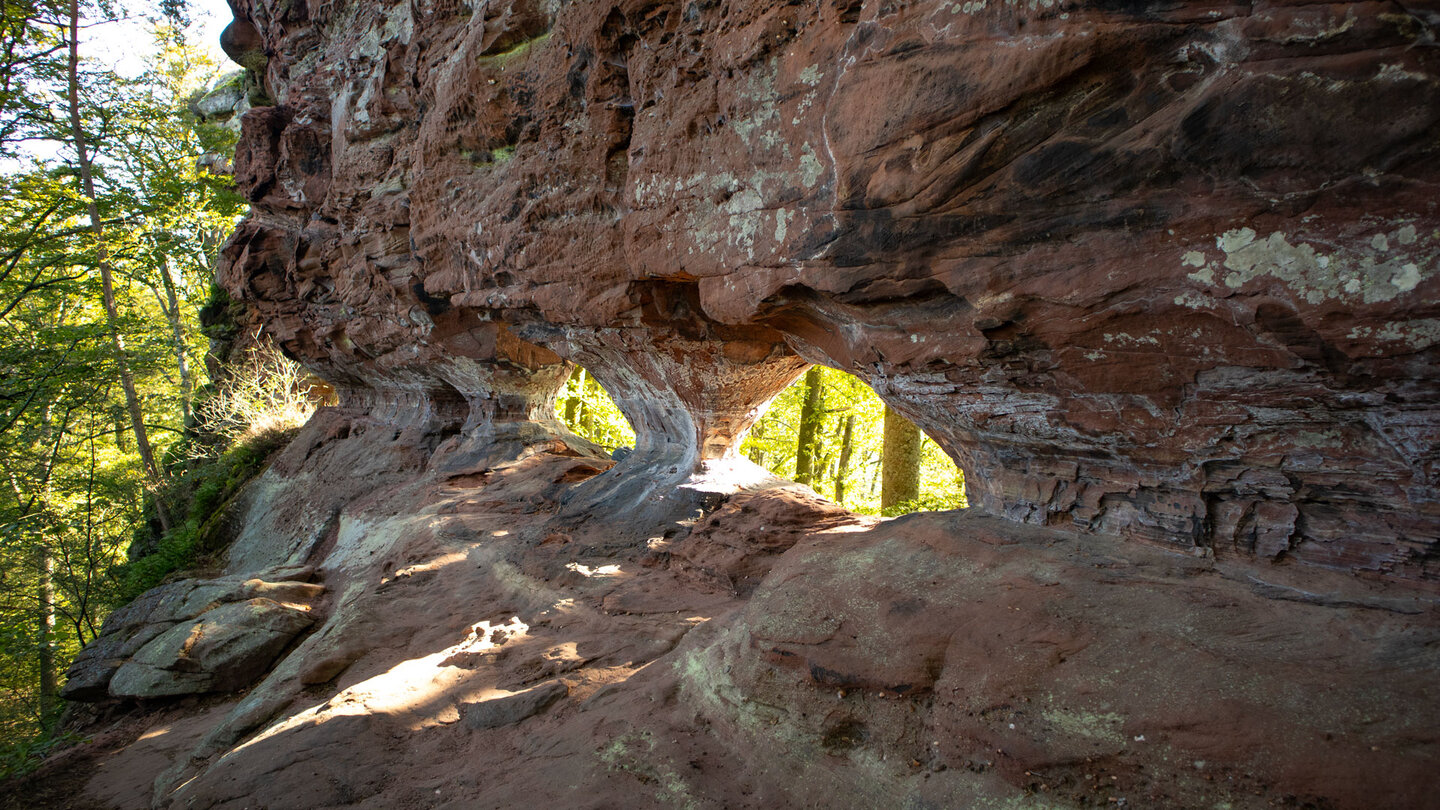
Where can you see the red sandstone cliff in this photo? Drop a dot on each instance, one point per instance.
(1162, 270)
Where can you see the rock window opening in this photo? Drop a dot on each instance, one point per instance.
(585, 407)
(828, 430)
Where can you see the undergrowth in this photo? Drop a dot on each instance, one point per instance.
(263, 401)
(929, 502)
(206, 490)
(25, 752)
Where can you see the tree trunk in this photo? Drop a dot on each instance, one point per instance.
(812, 416)
(900, 460)
(45, 592)
(97, 227)
(576, 391)
(121, 420)
(38, 505)
(587, 415)
(842, 467)
(177, 334)
(756, 452)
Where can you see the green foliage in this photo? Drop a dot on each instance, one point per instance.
(587, 409)
(266, 393)
(264, 399)
(205, 491)
(22, 753)
(772, 444)
(220, 316)
(928, 502)
(73, 489)
(30, 64)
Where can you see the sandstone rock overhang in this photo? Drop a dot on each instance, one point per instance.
(1161, 270)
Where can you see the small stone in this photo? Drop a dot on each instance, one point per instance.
(511, 709)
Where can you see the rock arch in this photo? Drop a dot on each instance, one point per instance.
(1119, 307)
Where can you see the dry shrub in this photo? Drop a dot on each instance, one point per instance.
(266, 393)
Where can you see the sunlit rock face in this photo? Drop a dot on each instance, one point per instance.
(1161, 270)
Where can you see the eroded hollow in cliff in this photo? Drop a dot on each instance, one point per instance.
(828, 430)
(831, 431)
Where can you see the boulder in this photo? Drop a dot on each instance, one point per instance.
(225, 98)
(159, 622)
(227, 649)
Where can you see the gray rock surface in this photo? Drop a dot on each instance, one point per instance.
(241, 619)
(227, 98)
(511, 709)
(227, 649)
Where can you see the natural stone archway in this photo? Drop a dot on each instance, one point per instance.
(413, 360)
(1166, 272)
(690, 389)
(502, 378)
(1039, 443)
(509, 387)
(843, 430)
(1099, 252)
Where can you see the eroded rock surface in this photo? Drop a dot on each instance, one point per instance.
(195, 636)
(1166, 271)
(788, 654)
(225, 650)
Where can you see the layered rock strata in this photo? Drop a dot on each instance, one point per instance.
(1162, 270)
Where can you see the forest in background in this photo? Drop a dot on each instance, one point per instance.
(828, 430)
(109, 228)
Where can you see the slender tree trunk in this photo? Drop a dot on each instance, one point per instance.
(177, 335)
(842, 467)
(900, 460)
(756, 452)
(38, 505)
(84, 617)
(812, 416)
(587, 418)
(97, 227)
(45, 592)
(120, 418)
(577, 392)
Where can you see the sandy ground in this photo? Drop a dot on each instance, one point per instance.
(480, 651)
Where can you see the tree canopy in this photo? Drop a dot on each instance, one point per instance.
(147, 225)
